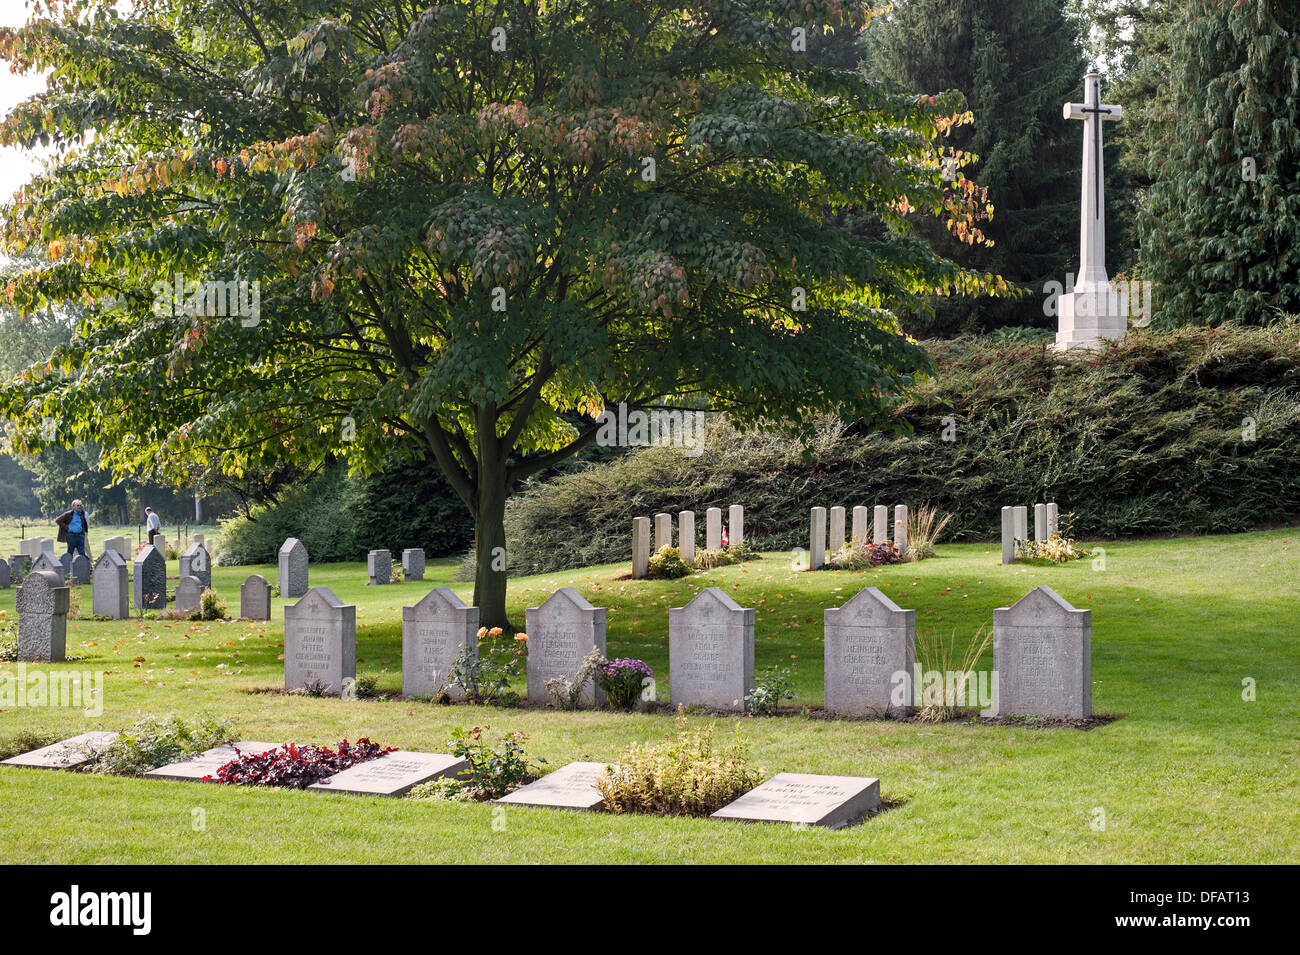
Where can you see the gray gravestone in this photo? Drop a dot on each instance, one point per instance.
(196, 562)
(686, 537)
(1021, 517)
(293, 568)
(189, 593)
(30, 547)
(47, 545)
(65, 561)
(16, 565)
(68, 754)
(42, 604)
(413, 563)
(880, 530)
(80, 571)
(1008, 534)
(836, 541)
(569, 787)
(1042, 657)
(1053, 519)
(320, 642)
(379, 567)
(208, 762)
(640, 546)
(806, 799)
(859, 525)
(109, 587)
(735, 525)
(711, 651)
(121, 545)
(392, 774)
(255, 598)
(817, 538)
(434, 632)
(561, 632)
(5, 575)
(713, 529)
(663, 531)
(870, 648)
(1040, 523)
(150, 587)
(45, 561)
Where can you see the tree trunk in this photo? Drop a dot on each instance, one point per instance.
(490, 553)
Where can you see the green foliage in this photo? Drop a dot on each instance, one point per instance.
(1220, 246)
(666, 564)
(485, 676)
(688, 774)
(211, 606)
(1145, 438)
(566, 694)
(410, 504)
(319, 513)
(24, 741)
(494, 769)
(154, 742)
(774, 684)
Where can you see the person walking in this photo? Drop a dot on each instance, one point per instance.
(73, 527)
(152, 523)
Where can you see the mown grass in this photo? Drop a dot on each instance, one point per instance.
(1190, 773)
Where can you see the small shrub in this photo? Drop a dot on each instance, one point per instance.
(154, 742)
(485, 676)
(1060, 548)
(566, 693)
(934, 654)
(667, 564)
(863, 555)
(688, 774)
(8, 639)
(296, 767)
(25, 741)
(211, 606)
(365, 687)
(923, 529)
(493, 771)
(773, 685)
(622, 681)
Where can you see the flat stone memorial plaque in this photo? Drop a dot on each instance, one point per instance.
(569, 787)
(68, 754)
(208, 762)
(806, 799)
(392, 774)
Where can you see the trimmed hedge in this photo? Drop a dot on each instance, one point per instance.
(1142, 438)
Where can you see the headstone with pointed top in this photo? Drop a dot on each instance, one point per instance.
(711, 651)
(109, 586)
(150, 585)
(293, 566)
(379, 567)
(196, 562)
(870, 653)
(42, 602)
(434, 632)
(413, 563)
(45, 561)
(1042, 657)
(561, 632)
(255, 598)
(320, 643)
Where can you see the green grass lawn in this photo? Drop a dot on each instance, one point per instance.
(1190, 773)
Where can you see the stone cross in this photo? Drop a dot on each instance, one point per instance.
(1093, 311)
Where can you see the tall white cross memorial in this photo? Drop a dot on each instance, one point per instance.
(1094, 310)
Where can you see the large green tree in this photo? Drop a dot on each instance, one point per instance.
(1219, 227)
(1016, 62)
(468, 221)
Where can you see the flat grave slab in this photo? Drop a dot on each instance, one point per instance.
(68, 754)
(569, 787)
(393, 774)
(208, 762)
(807, 799)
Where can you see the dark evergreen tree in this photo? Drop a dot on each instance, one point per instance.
(1017, 62)
(1219, 229)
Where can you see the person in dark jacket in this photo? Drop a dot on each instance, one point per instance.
(74, 525)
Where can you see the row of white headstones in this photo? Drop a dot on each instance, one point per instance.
(1015, 526)
(663, 534)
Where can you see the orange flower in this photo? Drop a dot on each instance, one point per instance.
(482, 632)
(494, 632)
(521, 637)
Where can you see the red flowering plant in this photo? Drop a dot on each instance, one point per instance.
(294, 766)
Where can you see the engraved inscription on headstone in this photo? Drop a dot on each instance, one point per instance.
(870, 654)
(320, 642)
(1042, 656)
(561, 632)
(806, 799)
(711, 651)
(109, 586)
(434, 632)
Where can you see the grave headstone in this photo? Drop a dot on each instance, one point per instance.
(121, 545)
(711, 651)
(65, 561)
(68, 754)
(293, 567)
(80, 570)
(413, 563)
(1053, 519)
(196, 538)
(150, 585)
(832, 802)
(255, 598)
(1040, 523)
(4, 575)
(47, 545)
(320, 643)
(1008, 535)
(900, 529)
(109, 586)
(713, 528)
(196, 562)
(817, 538)
(42, 602)
(570, 787)
(29, 547)
(434, 632)
(1021, 514)
(736, 525)
(45, 561)
(860, 518)
(379, 566)
(1042, 657)
(208, 762)
(189, 593)
(16, 565)
(392, 774)
(836, 542)
(686, 537)
(561, 632)
(870, 653)
(663, 530)
(880, 532)
(640, 546)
